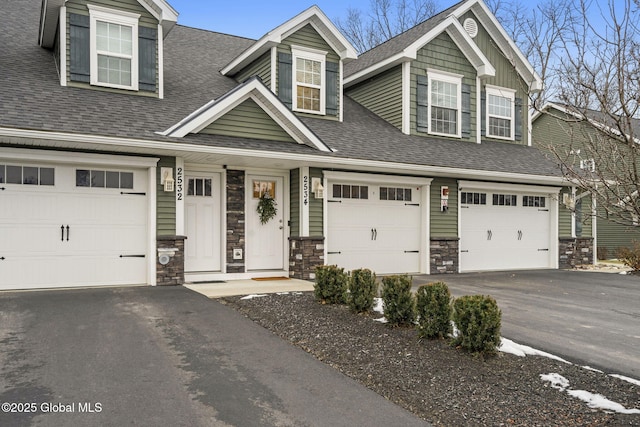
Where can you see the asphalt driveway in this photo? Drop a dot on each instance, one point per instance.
(164, 356)
(588, 318)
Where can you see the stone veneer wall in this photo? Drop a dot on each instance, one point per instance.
(305, 254)
(235, 219)
(444, 255)
(173, 272)
(575, 251)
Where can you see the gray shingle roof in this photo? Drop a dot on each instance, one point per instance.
(32, 98)
(397, 44)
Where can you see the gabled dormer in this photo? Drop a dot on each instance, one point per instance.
(109, 46)
(457, 75)
(301, 61)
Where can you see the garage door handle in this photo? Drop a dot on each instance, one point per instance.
(374, 234)
(519, 234)
(67, 233)
(489, 234)
(62, 233)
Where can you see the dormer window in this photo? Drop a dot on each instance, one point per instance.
(113, 48)
(309, 81)
(445, 104)
(500, 112)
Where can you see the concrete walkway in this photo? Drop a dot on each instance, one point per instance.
(249, 287)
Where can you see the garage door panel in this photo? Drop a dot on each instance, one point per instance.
(62, 235)
(502, 237)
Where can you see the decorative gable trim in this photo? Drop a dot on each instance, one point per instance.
(255, 90)
(51, 10)
(455, 30)
(502, 39)
(313, 16)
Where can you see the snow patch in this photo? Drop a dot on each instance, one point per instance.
(252, 296)
(627, 379)
(593, 400)
(508, 346)
(378, 307)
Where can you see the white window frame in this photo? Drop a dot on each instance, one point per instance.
(502, 93)
(588, 164)
(456, 79)
(112, 16)
(311, 55)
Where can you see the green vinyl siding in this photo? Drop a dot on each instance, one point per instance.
(261, 67)
(166, 201)
(613, 236)
(442, 54)
(506, 75)
(444, 224)
(147, 20)
(315, 207)
(248, 120)
(294, 202)
(564, 216)
(308, 37)
(382, 94)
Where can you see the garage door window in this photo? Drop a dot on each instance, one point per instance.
(26, 175)
(104, 179)
(505, 200)
(533, 201)
(391, 193)
(467, 198)
(344, 191)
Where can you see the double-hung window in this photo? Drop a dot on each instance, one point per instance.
(445, 104)
(308, 80)
(114, 48)
(500, 113)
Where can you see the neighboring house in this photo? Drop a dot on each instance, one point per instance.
(562, 129)
(135, 150)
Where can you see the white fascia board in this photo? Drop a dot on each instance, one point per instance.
(377, 68)
(497, 32)
(275, 37)
(60, 138)
(163, 12)
(267, 100)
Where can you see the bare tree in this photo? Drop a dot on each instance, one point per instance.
(599, 78)
(384, 20)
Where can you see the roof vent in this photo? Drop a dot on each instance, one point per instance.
(471, 27)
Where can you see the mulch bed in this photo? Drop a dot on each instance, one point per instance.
(437, 382)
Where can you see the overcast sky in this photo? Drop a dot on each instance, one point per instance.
(254, 18)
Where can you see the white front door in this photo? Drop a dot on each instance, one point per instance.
(202, 223)
(265, 242)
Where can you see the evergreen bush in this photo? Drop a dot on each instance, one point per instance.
(477, 318)
(362, 290)
(331, 284)
(433, 306)
(399, 303)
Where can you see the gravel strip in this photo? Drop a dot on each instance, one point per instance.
(441, 384)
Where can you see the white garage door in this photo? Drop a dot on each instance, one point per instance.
(503, 230)
(375, 226)
(72, 226)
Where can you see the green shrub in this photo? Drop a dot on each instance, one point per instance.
(433, 306)
(630, 256)
(399, 304)
(477, 318)
(362, 290)
(331, 284)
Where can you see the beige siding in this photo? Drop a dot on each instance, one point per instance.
(383, 95)
(444, 224)
(166, 202)
(250, 121)
(506, 75)
(261, 67)
(146, 20)
(442, 54)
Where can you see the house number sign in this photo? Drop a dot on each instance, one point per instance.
(305, 190)
(179, 183)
